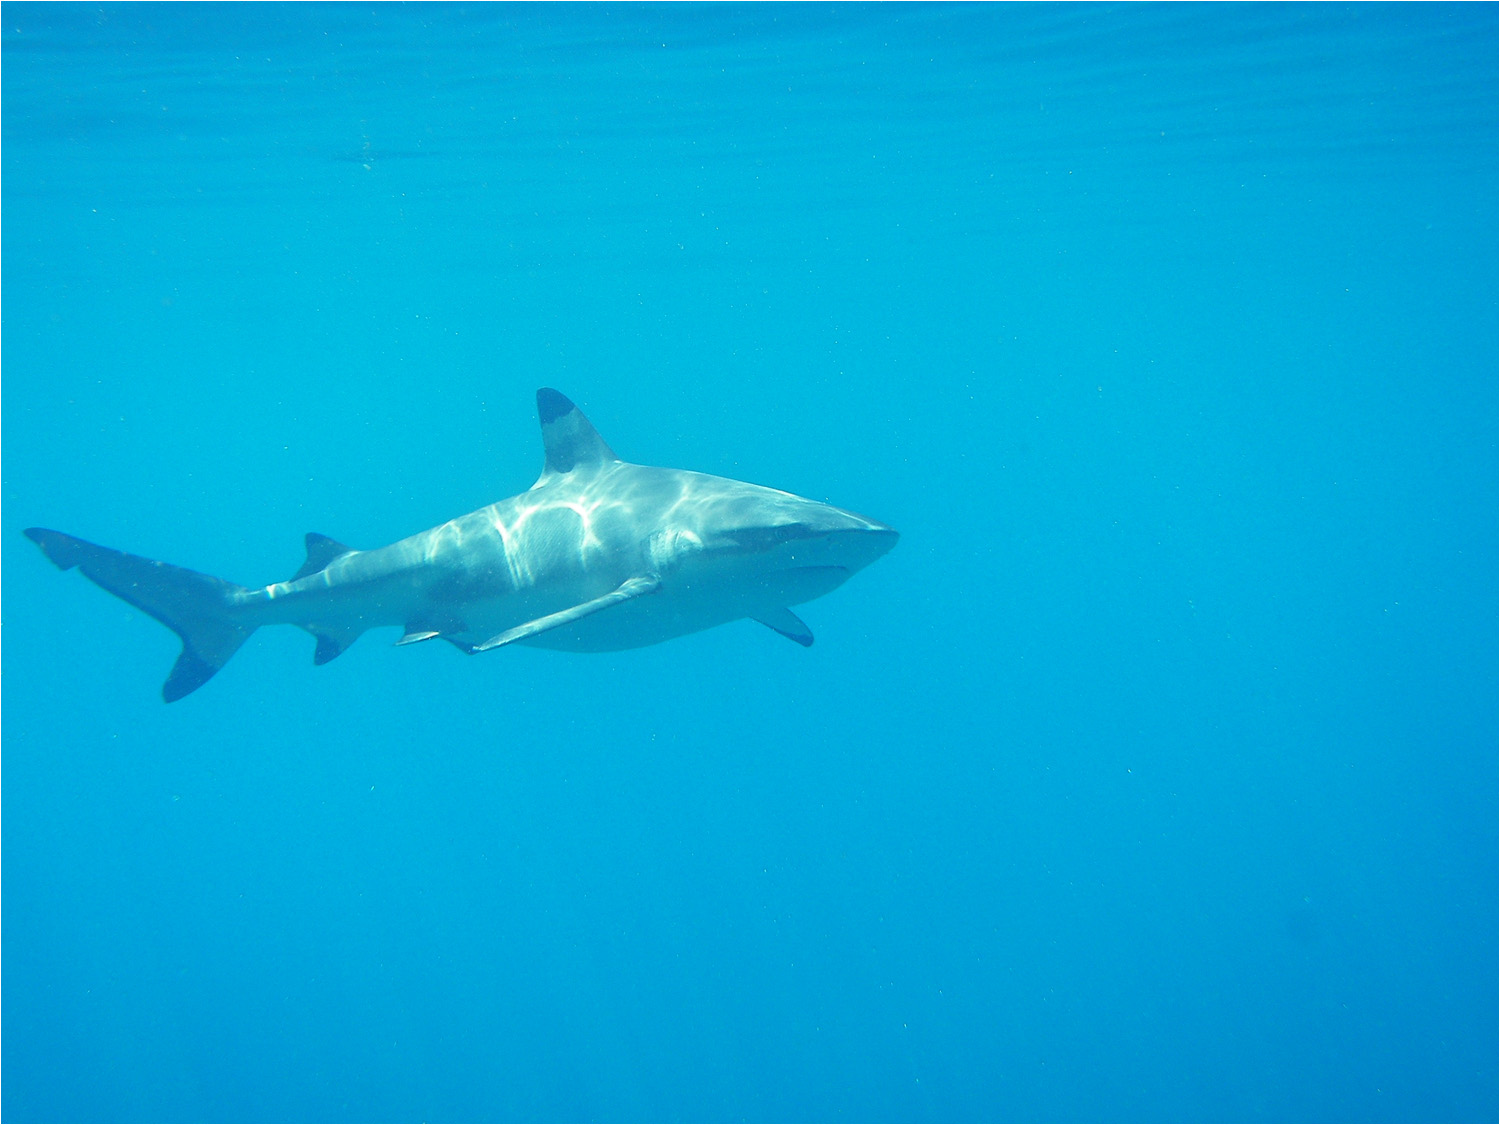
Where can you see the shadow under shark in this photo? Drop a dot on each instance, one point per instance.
(599, 555)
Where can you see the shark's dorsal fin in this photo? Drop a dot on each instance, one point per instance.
(321, 551)
(569, 439)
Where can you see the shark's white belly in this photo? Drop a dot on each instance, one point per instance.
(644, 621)
(686, 605)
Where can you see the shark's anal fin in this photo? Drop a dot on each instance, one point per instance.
(788, 624)
(331, 643)
(624, 592)
(321, 551)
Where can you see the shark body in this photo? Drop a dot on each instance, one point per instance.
(600, 554)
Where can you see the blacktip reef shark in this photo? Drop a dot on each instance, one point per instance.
(599, 555)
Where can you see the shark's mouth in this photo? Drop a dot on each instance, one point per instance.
(759, 540)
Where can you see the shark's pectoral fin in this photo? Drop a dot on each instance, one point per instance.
(624, 592)
(788, 624)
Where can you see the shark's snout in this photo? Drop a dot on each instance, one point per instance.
(858, 547)
(883, 538)
(825, 536)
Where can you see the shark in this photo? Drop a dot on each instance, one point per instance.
(598, 555)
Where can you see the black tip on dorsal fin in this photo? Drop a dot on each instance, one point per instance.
(321, 551)
(569, 439)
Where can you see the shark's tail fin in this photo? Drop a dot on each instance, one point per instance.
(197, 607)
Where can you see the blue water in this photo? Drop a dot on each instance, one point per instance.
(1153, 775)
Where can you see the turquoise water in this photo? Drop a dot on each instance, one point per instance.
(1152, 776)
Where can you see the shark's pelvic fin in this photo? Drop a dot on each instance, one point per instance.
(197, 607)
(321, 551)
(432, 624)
(624, 592)
(788, 624)
(569, 439)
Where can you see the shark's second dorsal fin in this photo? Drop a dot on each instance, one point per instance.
(569, 439)
(321, 551)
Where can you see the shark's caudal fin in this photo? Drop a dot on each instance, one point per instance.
(194, 606)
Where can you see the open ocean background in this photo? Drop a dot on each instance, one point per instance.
(1153, 775)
